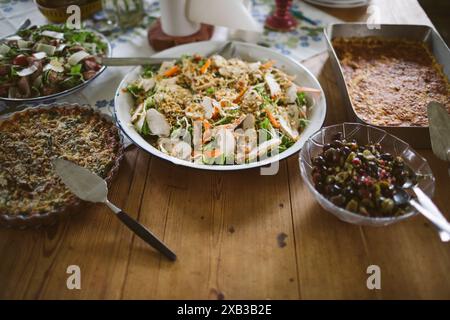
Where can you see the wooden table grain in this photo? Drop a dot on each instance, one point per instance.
(238, 235)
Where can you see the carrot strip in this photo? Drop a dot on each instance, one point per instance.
(215, 113)
(268, 64)
(206, 124)
(214, 153)
(205, 67)
(240, 95)
(272, 119)
(172, 71)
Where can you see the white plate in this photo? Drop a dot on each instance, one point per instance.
(123, 102)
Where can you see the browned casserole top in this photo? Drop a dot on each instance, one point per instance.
(391, 82)
(30, 140)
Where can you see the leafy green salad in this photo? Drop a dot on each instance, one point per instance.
(212, 110)
(44, 60)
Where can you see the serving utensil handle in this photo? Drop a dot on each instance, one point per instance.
(135, 61)
(146, 235)
(24, 25)
(443, 226)
(428, 204)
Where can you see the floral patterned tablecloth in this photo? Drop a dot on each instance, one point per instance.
(302, 43)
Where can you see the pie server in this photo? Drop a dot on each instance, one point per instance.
(89, 187)
(439, 123)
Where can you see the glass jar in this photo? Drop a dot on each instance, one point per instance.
(124, 13)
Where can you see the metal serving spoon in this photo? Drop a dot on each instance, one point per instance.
(227, 51)
(425, 206)
(133, 61)
(89, 187)
(25, 25)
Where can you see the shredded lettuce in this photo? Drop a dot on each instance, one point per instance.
(148, 72)
(304, 123)
(76, 70)
(286, 143)
(71, 82)
(301, 99)
(145, 129)
(134, 89)
(265, 124)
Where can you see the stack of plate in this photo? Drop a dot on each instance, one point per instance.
(340, 3)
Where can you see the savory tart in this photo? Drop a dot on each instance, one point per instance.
(32, 139)
(391, 81)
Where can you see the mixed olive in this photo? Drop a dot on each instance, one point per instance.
(361, 178)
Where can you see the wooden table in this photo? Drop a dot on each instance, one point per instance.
(228, 231)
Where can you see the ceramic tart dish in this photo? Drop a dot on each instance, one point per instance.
(31, 194)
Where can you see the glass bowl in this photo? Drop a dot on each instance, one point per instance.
(364, 134)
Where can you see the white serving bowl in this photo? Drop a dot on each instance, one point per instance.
(123, 102)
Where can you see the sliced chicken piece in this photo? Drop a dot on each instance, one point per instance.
(263, 148)
(169, 83)
(251, 101)
(230, 71)
(157, 123)
(241, 146)
(165, 145)
(166, 65)
(287, 129)
(225, 141)
(245, 142)
(291, 94)
(293, 110)
(147, 83)
(137, 113)
(273, 85)
(197, 134)
(182, 150)
(207, 135)
(233, 125)
(139, 123)
(218, 61)
(209, 106)
(254, 66)
(249, 122)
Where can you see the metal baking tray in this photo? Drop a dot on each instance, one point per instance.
(418, 137)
